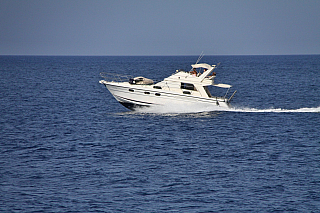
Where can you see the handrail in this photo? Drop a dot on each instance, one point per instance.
(114, 77)
(232, 96)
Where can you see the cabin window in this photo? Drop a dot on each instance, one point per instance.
(187, 86)
(131, 90)
(207, 91)
(148, 93)
(157, 94)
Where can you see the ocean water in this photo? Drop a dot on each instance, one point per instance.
(66, 145)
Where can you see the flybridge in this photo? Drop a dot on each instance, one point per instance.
(206, 78)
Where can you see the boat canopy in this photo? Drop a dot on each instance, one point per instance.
(207, 66)
(222, 85)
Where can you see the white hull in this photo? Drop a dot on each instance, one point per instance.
(145, 95)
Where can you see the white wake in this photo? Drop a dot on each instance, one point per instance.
(279, 110)
(189, 108)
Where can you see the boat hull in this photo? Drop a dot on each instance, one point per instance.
(137, 96)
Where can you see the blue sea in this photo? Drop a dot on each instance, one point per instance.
(68, 146)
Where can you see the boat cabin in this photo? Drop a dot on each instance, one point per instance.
(192, 83)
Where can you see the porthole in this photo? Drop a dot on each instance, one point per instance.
(157, 94)
(131, 90)
(148, 93)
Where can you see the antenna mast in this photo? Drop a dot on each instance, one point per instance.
(200, 57)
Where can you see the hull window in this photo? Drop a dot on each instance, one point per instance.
(131, 90)
(186, 92)
(157, 94)
(157, 87)
(148, 93)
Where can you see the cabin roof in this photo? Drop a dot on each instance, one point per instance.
(203, 65)
(222, 85)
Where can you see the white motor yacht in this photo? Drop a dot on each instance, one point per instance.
(180, 88)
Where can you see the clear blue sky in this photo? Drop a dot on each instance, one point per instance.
(159, 27)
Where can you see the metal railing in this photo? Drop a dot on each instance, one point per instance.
(113, 77)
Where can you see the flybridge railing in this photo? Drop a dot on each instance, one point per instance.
(114, 77)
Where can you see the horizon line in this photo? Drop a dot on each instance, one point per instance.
(49, 55)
